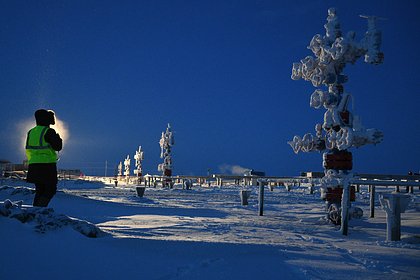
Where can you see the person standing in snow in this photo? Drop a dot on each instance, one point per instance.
(42, 145)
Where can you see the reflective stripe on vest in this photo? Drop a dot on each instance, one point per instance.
(37, 149)
(41, 145)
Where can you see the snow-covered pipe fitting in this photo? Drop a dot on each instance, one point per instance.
(330, 140)
(332, 27)
(166, 142)
(393, 204)
(308, 66)
(367, 136)
(317, 76)
(318, 98)
(120, 169)
(139, 157)
(127, 166)
(317, 45)
(339, 131)
(338, 48)
(344, 138)
(296, 144)
(372, 42)
(318, 129)
(297, 71)
(307, 142)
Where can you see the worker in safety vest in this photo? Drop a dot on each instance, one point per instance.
(42, 145)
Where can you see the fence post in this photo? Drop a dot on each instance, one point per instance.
(311, 188)
(261, 198)
(372, 201)
(244, 196)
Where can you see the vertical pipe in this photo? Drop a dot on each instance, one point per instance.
(261, 200)
(393, 220)
(345, 201)
(372, 201)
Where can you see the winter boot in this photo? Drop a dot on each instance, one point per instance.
(41, 201)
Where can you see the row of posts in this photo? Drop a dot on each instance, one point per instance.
(393, 203)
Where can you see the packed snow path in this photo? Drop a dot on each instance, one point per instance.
(292, 239)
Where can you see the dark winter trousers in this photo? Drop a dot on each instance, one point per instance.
(43, 194)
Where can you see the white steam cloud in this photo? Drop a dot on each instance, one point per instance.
(24, 126)
(233, 169)
(61, 128)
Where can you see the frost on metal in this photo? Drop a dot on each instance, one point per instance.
(139, 157)
(120, 169)
(340, 129)
(166, 142)
(394, 204)
(127, 166)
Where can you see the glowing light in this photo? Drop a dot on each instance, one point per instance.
(61, 128)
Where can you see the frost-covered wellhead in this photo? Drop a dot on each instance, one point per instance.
(166, 142)
(139, 157)
(340, 130)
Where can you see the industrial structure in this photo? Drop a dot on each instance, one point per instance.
(341, 130)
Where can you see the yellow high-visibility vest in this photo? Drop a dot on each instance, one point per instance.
(37, 149)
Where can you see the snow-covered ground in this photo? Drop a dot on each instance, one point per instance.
(203, 233)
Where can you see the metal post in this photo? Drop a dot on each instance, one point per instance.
(311, 188)
(372, 201)
(261, 200)
(244, 196)
(393, 230)
(345, 201)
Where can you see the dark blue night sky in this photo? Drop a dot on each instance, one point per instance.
(116, 72)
